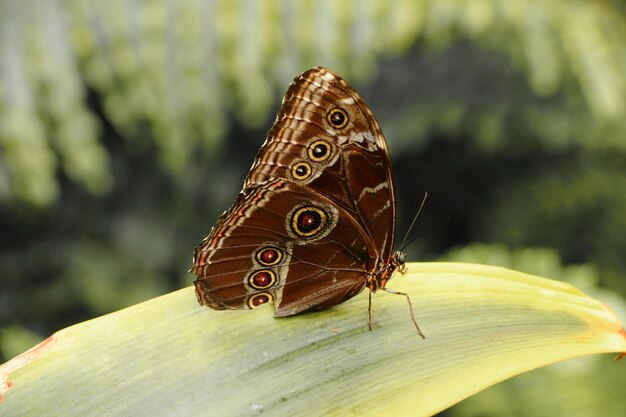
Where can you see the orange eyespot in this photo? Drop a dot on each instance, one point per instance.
(301, 171)
(262, 279)
(319, 150)
(338, 118)
(308, 221)
(269, 256)
(259, 299)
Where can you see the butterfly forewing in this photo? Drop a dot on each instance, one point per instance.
(355, 173)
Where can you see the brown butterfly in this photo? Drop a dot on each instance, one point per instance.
(314, 223)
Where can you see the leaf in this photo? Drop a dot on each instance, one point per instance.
(168, 356)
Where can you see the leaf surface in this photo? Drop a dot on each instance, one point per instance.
(168, 356)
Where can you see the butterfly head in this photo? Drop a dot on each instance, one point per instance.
(398, 260)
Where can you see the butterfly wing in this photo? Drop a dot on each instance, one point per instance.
(324, 163)
(284, 243)
(355, 172)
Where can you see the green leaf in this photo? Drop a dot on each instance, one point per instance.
(168, 356)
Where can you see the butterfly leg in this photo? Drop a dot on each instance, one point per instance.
(390, 291)
(369, 312)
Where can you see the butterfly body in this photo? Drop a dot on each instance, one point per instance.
(314, 223)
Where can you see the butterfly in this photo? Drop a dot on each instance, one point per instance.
(314, 224)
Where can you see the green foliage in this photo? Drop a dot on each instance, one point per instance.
(15, 340)
(169, 73)
(576, 206)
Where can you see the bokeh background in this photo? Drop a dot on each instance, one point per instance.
(127, 127)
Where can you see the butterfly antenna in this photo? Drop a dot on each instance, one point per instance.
(425, 232)
(402, 245)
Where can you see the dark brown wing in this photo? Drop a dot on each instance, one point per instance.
(356, 174)
(325, 152)
(284, 243)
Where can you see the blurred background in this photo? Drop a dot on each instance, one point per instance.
(127, 127)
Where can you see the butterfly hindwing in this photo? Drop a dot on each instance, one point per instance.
(282, 243)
